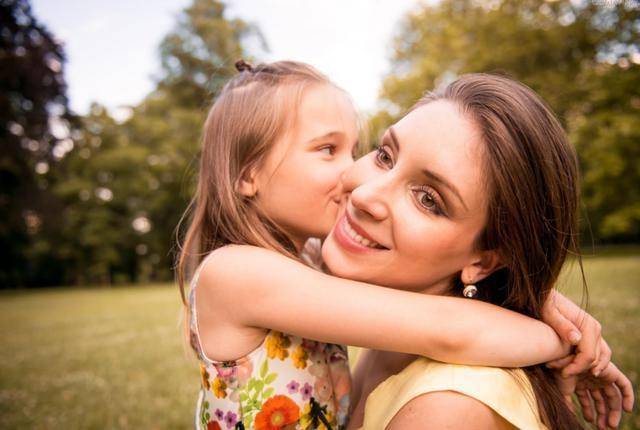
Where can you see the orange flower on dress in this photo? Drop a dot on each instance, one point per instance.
(213, 425)
(299, 357)
(277, 344)
(219, 388)
(277, 412)
(205, 377)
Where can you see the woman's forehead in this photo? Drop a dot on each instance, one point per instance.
(440, 138)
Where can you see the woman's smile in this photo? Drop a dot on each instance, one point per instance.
(352, 237)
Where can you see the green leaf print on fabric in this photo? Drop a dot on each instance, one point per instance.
(267, 393)
(270, 378)
(204, 415)
(255, 392)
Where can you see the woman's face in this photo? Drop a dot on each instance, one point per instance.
(416, 205)
(299, 184)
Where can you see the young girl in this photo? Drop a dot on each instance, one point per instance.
(275, 143)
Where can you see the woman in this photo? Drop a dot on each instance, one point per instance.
(474, 192)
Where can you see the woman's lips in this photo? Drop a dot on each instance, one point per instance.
(349, 237)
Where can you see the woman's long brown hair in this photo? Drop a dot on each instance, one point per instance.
(249, 115)
(532, 185)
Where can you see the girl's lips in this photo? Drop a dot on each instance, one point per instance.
(344, 239)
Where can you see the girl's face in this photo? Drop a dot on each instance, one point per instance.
(416, 206)
(299, 184)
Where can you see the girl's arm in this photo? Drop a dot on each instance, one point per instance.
(266, 289)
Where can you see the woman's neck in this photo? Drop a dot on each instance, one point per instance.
(373, 368)
(441, 287)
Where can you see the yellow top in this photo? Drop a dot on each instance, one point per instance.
(507, 391)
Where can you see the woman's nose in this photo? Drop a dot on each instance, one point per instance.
(369, 198)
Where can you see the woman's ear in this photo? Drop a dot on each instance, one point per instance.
(247, 185)
(482, 265)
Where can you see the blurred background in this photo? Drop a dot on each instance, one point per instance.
(101, 108)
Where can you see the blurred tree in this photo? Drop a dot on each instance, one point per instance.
(605, 127)
(198, 57)
(583, 58)
(127, 184)
(35, 131)
(100, 184)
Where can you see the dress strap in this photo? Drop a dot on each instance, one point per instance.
(193, 314)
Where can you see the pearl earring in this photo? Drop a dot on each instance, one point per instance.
(470, 291)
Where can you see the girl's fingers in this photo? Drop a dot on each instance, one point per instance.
(561, 362)
(598, 353)
(588, 348)
(604, 360)
(613, 398)
(588, 410)
(552, 316)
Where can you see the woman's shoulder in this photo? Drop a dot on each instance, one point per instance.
(448, 409)
(505, 391)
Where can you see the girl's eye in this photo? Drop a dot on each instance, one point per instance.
(383, 157)
(329, 149)
(429, 201)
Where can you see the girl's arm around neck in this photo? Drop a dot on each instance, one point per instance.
(268, 290)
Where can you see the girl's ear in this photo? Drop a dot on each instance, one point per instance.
(482, 265)
(247, 185)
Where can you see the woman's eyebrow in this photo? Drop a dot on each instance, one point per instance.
(428, 173)
(394, 140)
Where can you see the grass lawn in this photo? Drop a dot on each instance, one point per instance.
(113, 358)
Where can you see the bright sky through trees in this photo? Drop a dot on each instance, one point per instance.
(112, 46)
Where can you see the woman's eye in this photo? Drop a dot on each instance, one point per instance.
(428, 201)
(383, 157)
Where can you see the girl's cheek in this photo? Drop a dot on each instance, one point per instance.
(358, 173)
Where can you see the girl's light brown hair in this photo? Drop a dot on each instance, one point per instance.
(252, 111)
(532, 189)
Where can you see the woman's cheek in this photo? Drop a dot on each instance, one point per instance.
(428, 239)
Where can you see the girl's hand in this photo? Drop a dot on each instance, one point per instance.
(602, 398)
(578, 328)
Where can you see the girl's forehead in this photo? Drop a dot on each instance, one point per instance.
(325, 109)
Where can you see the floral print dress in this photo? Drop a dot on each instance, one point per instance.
(285, 383)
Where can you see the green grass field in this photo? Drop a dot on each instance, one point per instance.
(113, 358)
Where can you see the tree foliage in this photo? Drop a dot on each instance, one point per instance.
(582, 57)
(35, 127)
(127, 184)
